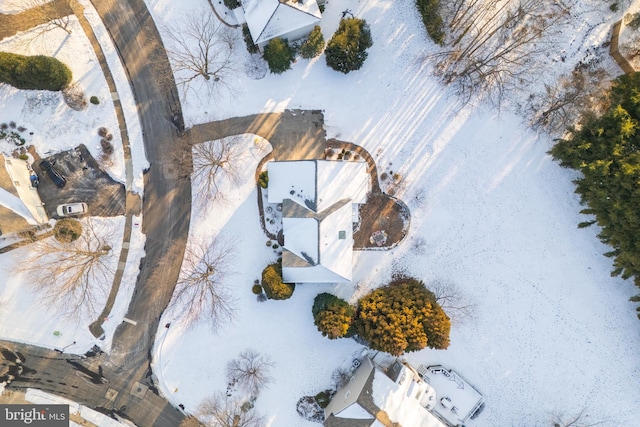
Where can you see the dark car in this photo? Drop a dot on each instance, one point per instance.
(53, 173)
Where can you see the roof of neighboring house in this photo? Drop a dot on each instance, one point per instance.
(375, 398)
(268, 19)
(317, 199)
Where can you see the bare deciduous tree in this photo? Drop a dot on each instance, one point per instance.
(200, 46)
(492, 45)
(211, 163)
(219, 410)
(55, 14)
(562, 103)
(452, 300)
(576, 420)
(250, 371)
(201, 292)
(74, 277)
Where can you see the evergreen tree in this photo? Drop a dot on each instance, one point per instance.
(402, 317)
(347, 49)
(33, 72)
(332, 315)
(606, 150)
(273, 285)
(278, 55)
(314, 45)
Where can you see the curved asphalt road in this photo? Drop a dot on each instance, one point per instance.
(166, 214)
(167, 200)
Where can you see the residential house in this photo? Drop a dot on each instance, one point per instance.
(287, 19)
(401, 396)
(319, 207)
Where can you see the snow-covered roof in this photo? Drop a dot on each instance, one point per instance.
(404, 400)
(322, 182)
(317, 223)
(268, 19)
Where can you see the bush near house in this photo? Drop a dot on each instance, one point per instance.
(272, 283)
(33, 72)
(248, 40)
(314, 44)
(231, 4)
(332, 316)
(606, 149)
(347, 49)
(263, 179)
(279, 55)
(430, 12)
(402, 317)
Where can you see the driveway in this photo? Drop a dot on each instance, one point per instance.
(86, 182)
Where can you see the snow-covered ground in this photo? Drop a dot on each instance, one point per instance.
(56, 128)
(552, 331)
(497, 216)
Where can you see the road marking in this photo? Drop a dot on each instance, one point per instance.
(133, 322)
(114, 96)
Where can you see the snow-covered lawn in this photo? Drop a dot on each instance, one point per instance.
(56, 128)
(552, 331)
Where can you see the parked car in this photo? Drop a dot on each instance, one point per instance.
(72, 209)
(53, 174)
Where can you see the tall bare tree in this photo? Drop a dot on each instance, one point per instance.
(492, 45)
(75, 276)
(573, 420)
(202, 294)
(563, 102)
(210, 164)
(219, 410)
(452, 300)
(250, 370)
(201, 47)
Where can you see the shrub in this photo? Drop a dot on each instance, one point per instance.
(256, 289)
(74, 97)
(332, 316)
(107, 147)
(21, 128)
(401, 317)
(23, 157)
(108, 137)
(278, 55)
(347, 49)
(4, 126)
(12, 124)
(248, 40)
(323, 398)
(314, 44)
(94, 100)
(231, 4)
(67, 230)
(263, 179)
(102, 131)
(272, 283)
(33, 72)
(430, 11)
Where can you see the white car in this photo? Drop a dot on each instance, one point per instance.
(71, 209)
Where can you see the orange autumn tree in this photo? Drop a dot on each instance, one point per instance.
(402, 317)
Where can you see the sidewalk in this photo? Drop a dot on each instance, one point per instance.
(9, 26)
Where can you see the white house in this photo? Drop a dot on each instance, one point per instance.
(287, 19)
(319, 206)
(373, 397)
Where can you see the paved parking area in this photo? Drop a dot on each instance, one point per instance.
(86, 182)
